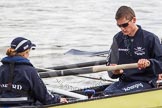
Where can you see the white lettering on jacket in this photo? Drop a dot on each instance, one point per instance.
(120, 49)
(133, 87)
(14, 86)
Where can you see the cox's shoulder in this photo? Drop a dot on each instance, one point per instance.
(28, 68)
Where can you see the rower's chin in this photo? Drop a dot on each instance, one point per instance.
(125, 33)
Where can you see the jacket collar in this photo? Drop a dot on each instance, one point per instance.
(15, 59)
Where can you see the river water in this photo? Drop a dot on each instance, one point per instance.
(56, 26)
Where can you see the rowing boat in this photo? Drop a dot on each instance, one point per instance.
(142, 99)
(151, 98)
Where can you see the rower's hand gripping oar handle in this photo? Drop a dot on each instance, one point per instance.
(116, 67)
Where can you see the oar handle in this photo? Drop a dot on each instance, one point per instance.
(116, 67)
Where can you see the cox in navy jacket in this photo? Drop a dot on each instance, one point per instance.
(25, 82)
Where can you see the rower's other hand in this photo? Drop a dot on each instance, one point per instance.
(160, 77)
(116, 71)
(63, 100)
(143, 63)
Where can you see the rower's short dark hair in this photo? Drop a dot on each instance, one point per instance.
(125, 12)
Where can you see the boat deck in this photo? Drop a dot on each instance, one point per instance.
(71, 83)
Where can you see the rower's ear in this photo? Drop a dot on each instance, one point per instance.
(134, 20)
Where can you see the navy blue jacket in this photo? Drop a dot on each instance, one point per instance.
(125, 50)
(25, 79)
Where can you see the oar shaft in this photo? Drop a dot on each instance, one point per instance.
(101, 79)
(77, 65)
(71, 94)
(56, 73)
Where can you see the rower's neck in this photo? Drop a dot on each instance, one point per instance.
(134, 31)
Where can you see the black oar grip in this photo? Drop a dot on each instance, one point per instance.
(65, 72)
